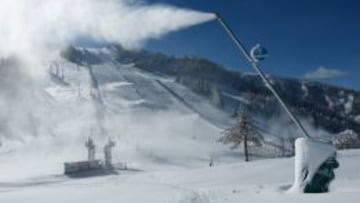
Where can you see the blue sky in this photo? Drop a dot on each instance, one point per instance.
(316, 39)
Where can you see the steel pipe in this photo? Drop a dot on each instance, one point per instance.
(257, 68)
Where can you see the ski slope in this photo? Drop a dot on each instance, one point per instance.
(164, 133)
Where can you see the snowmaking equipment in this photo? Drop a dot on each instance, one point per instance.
(315, 160)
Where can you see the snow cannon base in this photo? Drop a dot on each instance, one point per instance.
(87, 169)
(315, 162)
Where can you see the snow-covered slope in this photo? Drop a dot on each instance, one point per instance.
(165, 134)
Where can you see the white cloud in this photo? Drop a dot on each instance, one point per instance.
(324, 73)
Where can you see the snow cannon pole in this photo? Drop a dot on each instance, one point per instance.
(254, 63)
(314, 161)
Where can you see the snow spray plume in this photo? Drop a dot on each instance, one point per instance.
(32, 33)
(33, 29)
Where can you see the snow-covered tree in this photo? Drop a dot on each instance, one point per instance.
(242, 132)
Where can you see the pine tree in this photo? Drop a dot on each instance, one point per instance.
(242, 132)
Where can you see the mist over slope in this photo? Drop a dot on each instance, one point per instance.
(327, 107)
(154, 121)
(110, 92)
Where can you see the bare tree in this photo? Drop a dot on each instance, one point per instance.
(242, 132)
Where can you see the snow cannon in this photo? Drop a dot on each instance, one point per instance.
(315, 160)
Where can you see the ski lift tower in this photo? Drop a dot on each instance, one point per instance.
(315, 160)
(108, 153)
(89, 144)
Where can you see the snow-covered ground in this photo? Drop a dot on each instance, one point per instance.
(164, 133)
(258, 181)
